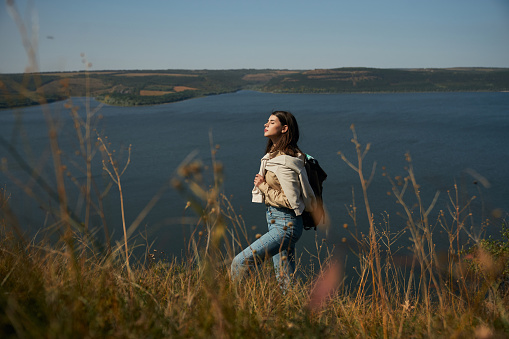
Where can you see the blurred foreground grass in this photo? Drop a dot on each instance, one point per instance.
(44, 293)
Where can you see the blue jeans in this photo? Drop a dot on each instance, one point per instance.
(285, 228)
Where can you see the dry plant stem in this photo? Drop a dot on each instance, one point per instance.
(418, 240)
(374, 250)
(31, 48)
(458, 224)
(238, 223)
(88, 151)
(421, 236)
(116, 180)
(9, 218)
(88, 154)
(141, 216)
(57, 163)
(29, 44)
(218, 228)
(363, 269)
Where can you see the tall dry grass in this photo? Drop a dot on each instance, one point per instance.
(84, 283)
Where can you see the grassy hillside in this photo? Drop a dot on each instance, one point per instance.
(148, 87)
(353, 80)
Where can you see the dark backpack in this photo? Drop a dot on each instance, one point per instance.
(316, 177)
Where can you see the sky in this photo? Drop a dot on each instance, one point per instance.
(259, 34)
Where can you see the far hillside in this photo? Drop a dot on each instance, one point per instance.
(355, 80)
(150, 87)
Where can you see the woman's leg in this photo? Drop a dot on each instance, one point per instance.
(284, 231)
(290, 228)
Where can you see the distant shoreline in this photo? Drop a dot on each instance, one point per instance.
(149, 87)
(167, 103)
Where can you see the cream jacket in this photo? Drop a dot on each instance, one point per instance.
(294, 182)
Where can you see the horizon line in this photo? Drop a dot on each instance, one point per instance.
(261, 69)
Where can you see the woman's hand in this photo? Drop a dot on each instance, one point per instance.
(258, 180)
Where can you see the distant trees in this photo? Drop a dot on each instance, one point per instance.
(390, 80)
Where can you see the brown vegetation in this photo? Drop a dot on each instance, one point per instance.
(153, 74)
(176, 89)
(154, 93)
(263, 77)
(183, 88)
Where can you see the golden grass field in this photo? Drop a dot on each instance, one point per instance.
(154, 93)
(176, 89)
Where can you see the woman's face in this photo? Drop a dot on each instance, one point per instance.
(274, 129)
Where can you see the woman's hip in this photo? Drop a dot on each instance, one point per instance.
(285, 220)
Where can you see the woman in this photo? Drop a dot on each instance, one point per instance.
(283, 186)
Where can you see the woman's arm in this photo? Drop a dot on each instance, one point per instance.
(272, 196)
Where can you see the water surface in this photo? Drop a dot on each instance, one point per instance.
(453, 138)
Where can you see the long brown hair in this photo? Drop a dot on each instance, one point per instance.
(288, 141)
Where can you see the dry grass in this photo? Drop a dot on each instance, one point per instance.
(183, 88)
(48, 291)
(154, 93)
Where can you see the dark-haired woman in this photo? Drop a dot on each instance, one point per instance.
(283, 186)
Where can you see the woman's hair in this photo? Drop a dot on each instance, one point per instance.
(288, 141)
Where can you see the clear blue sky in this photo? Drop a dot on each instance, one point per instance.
(282, 34)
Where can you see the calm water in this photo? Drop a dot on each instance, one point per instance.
(449, 135)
